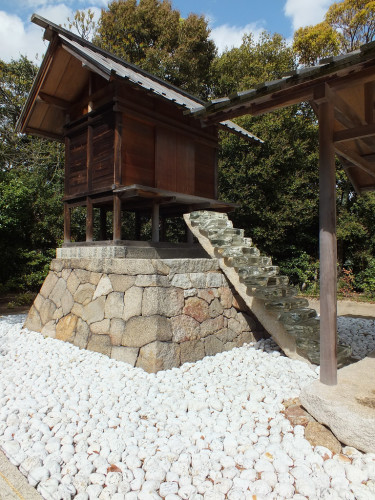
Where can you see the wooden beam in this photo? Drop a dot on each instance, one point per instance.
(116, 217)
(358, 132)
(67, 223)
(328, 246)
(56, 102)
(356, 159)
(89, 220)
(155, 222)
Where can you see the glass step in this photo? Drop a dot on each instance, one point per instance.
(286, 304)
(297, 315)
(278, 281)
(270, 292)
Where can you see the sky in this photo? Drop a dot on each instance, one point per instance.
(229, 20)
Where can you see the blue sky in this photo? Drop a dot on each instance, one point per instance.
(229, 19)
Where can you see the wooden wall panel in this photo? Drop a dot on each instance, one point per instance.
(138, 152)
(185, 171)
(205, 171)
(102, 161)
(165, 159)
(77, 159)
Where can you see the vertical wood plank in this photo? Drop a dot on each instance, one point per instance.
(103, 224)
(89, 220)
(67, 224)
(89, 157)
(116, 217)
(369, 90)
(117, 151)
(67, 166)
(328, 246)
(155, 222)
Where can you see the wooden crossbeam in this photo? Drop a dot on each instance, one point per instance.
(56, 102)
(350, 134)
(355, 158)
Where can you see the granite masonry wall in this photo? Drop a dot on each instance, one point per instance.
(152, 313)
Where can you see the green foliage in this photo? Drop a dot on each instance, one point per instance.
(83, 22)
(347, 25)
(365, 280)
(152, 35)
(31, 172)
(301, 269)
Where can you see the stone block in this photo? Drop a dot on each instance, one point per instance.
(121, 283)
(114, 305)
(211, 326)
(161, 267)
(131, 267)
(198, 280)
(230, 313)
(104, 287)
(246, 322)
(215, 308)
(82, 275)
(215, 280)
(57, 265)
(33, 321)
(49, 330)
(235, 325)
(190, 292)
(126, 354)
(206, 294)
(318, 435)
(65, 273)
(82, 334)
(72, 283)
(78, 310)
(39, 299)
(213, 345)
(226, 335)
(181, 281)
(226, 297)
(100, 343)
(66, 303)
(151, 280)
(192, 351)
(184, 328)
(101, 327)
(132, 302)
(49, 284)
(196, 308)
(94, 311)
(164, 301)
(116, 331)
(84, 293)
(66, 328)
(46, 311)
(177, 266)
(95, 278)
(141, 330)
(58, 314)
(159, 356)
(244, 338)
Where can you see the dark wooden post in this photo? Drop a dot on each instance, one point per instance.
(116, 217)
(103, 224)
(67, 224)
(328, 246)
(89, 220)
(155, 222)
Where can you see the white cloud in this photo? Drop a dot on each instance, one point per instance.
(227, 37)
(306, 12)
(16, 40)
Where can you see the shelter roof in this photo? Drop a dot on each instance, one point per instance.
(64, 73)
(346, 81)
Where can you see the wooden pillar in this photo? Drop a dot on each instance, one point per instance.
(116, 217)
(328, 246)
(67, 224)
(137, 226)
(89, 220)
(103, 224)
(155, 222)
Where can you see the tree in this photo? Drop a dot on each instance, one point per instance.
(346, 26)
(31, 172)
(83, 22)
(153, 36)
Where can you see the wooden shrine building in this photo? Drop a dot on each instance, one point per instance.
(130, 141)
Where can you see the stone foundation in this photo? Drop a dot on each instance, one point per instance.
(152, 313)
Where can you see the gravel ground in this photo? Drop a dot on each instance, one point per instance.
(80, 425)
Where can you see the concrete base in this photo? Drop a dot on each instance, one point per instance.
(347, 408)
(130, 250)
(13, 485)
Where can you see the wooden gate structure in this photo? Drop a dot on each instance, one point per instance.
(341, 90)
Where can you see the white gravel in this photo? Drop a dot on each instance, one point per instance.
(80, 425)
